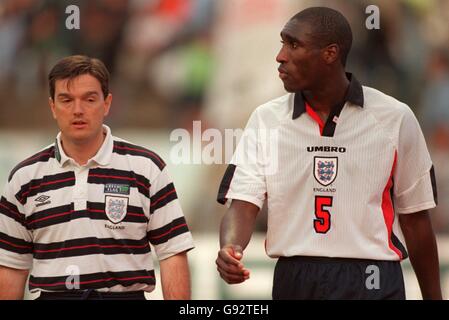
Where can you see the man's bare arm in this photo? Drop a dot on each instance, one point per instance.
(175, 277)
(12, 283)
(423, 252)
(235, 232)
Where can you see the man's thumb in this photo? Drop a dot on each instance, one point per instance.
(238, 251)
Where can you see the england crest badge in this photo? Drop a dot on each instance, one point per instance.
(116, 208)
(325, 170)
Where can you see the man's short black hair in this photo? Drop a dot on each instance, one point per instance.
(328, 26)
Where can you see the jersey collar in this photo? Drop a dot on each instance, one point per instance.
(102, 157)
(353, 95)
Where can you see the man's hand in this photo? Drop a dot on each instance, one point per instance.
(229, 264)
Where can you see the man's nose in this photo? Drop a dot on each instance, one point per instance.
(281, 56)
(78, 107)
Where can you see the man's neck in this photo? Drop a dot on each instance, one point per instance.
(332, 92)
(82, 151)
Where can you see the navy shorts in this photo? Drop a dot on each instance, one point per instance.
(320, 278)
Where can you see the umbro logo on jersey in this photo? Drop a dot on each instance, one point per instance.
(326, 149)
(43, 200)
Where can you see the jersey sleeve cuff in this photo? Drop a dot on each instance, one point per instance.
(184, 246)
(252, 199)
(416, 208)
(9, 261)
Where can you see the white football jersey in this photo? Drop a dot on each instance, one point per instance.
(333, 189)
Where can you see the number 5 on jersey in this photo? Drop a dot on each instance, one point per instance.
(322, 223)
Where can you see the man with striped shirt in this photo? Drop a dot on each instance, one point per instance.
(82, 213)
(348, 187)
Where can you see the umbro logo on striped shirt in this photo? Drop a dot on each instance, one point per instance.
(43, 200)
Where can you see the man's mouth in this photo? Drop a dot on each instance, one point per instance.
(79, 123)
(282, 73)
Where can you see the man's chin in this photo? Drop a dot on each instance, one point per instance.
(290, 88)
(78, 137)
(296, 88)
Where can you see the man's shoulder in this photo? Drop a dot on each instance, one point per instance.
(381, 102)
(42, 156)
(129, 149)
(276, 109)
(389, 112)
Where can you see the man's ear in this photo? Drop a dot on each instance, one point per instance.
(52, 106)
(107, 104)
(331, 53)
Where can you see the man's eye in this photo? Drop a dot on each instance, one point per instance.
(291, 44)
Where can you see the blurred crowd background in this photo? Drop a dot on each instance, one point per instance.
(176, 61)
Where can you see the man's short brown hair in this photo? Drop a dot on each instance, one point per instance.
(74, 66)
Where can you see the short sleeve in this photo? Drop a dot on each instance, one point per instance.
(244, 178)
(168, 231)
(414, 176)
(16, 244)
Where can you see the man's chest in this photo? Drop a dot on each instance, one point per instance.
(97, 201)
(358, 153)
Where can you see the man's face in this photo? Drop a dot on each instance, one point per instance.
(79, 108)
(301, 65)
